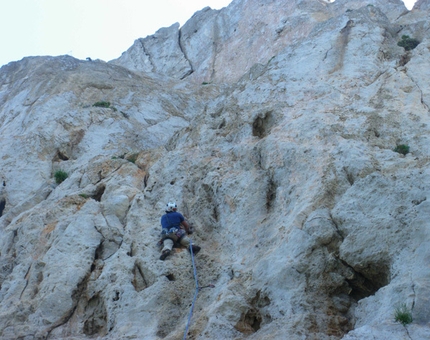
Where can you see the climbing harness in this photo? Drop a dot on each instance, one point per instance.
(195, 292)
(178, 232)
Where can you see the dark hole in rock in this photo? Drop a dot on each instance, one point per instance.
(270, 194)
(262, 125)
(131, 252)
(170, 277)
(2, 206)
(99, 193)
(222, 125)
(350, 178)
(368, 281)
(249, 322)
(62, 156)
(99, 251)
(414, 202)
(116, 297)
(215, 214)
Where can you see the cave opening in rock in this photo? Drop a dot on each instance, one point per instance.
(367, 281)
(62, 156)
(249, 322)
(99, 251)
(254, 319)
(170, 277)
(262, 125)
(99, 193)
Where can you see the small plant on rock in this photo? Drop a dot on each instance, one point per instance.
(408, 43)
(403, 315)
(102, 104)
(402, 148)
(60, 176)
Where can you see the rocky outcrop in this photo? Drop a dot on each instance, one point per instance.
(422, 5)
(159, 53)
(312, 222)
(222, 45)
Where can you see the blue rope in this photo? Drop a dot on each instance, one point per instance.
(195, 293)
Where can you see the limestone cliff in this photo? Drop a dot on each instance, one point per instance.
(273, 125)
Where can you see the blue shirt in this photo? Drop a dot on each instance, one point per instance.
(171, 219)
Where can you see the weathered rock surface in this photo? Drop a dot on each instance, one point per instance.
(221, 45)
(311, 225)
(158, 53)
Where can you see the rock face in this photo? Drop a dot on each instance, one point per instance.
(273, 125)
(159, 53)
(222, 45)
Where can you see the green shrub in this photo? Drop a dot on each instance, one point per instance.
(102, 104)
(60, 176)
(84, 195)
(408, 43)
(402, 148)
(403, 315)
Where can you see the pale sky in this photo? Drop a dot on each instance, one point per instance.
(99, 29)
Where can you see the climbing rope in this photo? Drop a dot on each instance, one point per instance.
(195, 292)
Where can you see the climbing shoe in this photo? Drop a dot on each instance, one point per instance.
(164, 254)
(196, 249)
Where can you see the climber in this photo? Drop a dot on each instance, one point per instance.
(173, 225)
